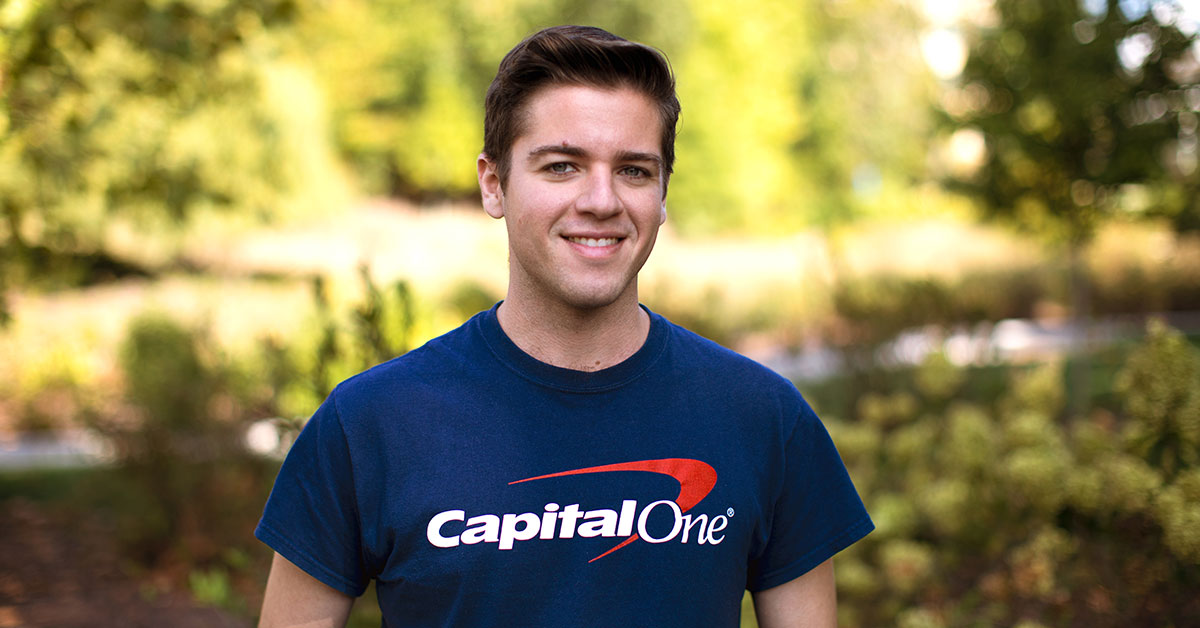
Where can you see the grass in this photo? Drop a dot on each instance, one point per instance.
(46, 485)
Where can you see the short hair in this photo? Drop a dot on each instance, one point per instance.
(574, 55)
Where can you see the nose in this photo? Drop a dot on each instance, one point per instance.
(598, 195)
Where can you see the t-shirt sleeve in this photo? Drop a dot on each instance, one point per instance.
(817, 514)
(311, 517)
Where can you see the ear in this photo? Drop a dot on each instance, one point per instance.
(489, 186)
(662, 210)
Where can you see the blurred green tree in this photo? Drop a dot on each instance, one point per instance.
(994, 511)
(864, 97)
(793, 113)
(1088, 111)
(407, 78)
(146, 109)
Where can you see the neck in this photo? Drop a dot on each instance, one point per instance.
(582, 340)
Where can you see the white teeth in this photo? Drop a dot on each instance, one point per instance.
(594, 242)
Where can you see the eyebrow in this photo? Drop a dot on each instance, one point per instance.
(575, 151)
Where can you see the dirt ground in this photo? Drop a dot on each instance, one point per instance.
(66, 574)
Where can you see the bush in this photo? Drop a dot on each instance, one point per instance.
(301, 375)
(185, 481)
(1160, 385)
(1003, 514)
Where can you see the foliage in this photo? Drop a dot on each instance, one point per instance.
(468, 297)
(184, 490)
(991, 508)
(1006, 514)
(186, 477)
(872, 309)
(989, 512)
(381, 339)
(165, 373)
(212, 586)
(1161, 388)
(408, 79)
(863, 101)
(377, 328)
(1088, 111)
(53, 390)
(147, 112)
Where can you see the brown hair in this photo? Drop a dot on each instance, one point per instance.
(574, 55)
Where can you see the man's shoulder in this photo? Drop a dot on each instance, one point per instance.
(735, 387)
(708, 358)
(434, 363)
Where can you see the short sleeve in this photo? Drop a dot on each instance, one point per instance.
(311, 516)
(817, 514)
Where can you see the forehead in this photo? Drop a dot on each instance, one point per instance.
(620, 119)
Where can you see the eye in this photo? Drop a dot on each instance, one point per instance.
(560, 167)
(634, 172)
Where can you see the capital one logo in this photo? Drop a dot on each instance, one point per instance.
(696, 479)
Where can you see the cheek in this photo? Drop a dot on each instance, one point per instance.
(525, 228)
(651, 208)
(537, 212)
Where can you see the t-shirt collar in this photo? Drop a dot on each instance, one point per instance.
(506, 351)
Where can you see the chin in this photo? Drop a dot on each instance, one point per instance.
(595, 298)
(588, 303)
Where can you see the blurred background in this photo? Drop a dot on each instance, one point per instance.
(966, 229)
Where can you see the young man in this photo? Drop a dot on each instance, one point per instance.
(567, 458)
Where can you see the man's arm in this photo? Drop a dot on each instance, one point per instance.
(809, 601)
(298, 600)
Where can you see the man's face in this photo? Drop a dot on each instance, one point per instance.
(584, 196)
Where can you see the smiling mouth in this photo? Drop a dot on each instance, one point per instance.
(594, 242)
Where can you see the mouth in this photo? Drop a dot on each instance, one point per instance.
(594, 243)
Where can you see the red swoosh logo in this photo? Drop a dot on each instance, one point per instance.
(696, 479)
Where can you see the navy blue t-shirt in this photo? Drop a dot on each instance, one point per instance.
(481, 487)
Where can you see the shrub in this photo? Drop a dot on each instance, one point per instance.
(1160, 385)
(1004, 514)
(185, 479)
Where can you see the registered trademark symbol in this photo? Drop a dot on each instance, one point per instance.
(729, 512)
